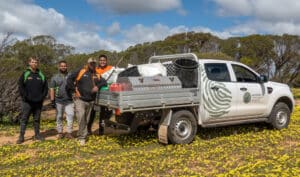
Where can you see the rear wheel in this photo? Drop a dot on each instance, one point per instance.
(183, 127)
(280, 116)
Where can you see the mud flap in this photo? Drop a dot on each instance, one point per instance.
(163, 126)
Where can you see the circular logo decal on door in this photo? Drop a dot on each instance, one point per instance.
(247, 97)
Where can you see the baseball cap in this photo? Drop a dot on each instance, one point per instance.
(90, 60)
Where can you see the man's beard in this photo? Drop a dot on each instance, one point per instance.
(63, 72)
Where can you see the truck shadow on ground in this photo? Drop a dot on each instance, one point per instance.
(144, 136)
(123, 138)
(139, 137)
(215, 132)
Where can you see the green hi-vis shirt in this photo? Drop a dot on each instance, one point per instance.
(58, 83)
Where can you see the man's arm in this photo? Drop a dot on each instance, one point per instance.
(70, 87)
(102, 82)
(45, 88)
(51, 93)
(52, 87)
(21, 87)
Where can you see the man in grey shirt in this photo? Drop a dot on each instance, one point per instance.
(61, 100)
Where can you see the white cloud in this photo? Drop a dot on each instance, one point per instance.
(25, 19)
(268, 10)
(29, 19)
(253, 27)
(88, 41)
(113, 29)
(140, 33)
(265, 16)
(221, 34)
(137, 6)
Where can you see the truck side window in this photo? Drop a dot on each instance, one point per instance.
(217, 72)
(242, 74)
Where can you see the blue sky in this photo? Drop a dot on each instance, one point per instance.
(91, 25)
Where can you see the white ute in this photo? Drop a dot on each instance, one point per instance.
(196, 92)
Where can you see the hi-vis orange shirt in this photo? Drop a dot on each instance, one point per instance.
(104, 70)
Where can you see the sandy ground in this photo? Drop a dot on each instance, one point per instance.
(297, 102)
(51, 134)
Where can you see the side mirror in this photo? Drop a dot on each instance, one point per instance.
(263, 79)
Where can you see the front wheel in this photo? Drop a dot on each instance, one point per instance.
(280, 116)
(183, 127)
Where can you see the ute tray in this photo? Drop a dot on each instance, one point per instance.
(130, 101)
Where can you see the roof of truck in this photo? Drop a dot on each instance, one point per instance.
(216, 61)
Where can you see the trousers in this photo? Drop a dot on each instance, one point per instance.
(69, 110)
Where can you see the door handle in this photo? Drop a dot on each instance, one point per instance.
(243, 89)
(215, 88)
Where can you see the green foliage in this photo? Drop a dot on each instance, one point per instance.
(276, 56)
(259, 48)
(218, 55)
(76, 61)
(247, 61)
(11, 68)
(230, 46)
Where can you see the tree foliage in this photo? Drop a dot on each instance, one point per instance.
(276, 56)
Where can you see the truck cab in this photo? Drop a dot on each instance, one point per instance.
(222, 93)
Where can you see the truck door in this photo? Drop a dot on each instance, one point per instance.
(251, 95)
(218, 92)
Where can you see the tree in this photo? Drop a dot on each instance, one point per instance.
(6, 41)
(286, 59)
(259, 49)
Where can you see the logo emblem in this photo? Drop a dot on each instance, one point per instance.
(247, 97)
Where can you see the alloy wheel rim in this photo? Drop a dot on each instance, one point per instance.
(183, 129)
(281, 117)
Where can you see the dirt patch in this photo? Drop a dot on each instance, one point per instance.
(51, 134)
(289, 144)
(297, 102)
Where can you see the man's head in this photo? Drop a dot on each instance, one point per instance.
(33, 63)
(62, 66)
(102, 61)
(92, 63)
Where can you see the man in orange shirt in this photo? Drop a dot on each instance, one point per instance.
(103, 67)
(104, 112)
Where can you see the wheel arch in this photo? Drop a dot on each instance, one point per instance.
(287, 101)
(193, 110)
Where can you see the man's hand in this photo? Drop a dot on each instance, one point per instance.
(95, 89)
(53, 104)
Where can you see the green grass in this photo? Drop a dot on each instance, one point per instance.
(248, 150)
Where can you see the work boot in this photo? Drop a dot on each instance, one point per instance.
(20, 140)
(69, 136)
(60, 136)
(38, 137)
(22, 133)
(89, 132)
(101, 127)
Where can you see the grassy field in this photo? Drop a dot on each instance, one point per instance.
(247, 150)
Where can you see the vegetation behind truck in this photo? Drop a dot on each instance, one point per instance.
(196, 92)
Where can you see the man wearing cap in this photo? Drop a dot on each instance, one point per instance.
(84, 83)
(102, 68)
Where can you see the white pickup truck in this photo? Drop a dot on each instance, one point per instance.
(196, 92)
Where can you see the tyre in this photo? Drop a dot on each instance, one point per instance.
(183, 127)
(280, 116)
